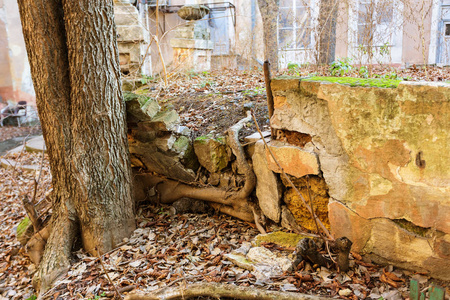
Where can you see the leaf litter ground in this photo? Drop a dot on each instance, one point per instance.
(177, 249)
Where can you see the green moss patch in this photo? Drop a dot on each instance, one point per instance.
(129, 96)
(23, 226)
(409, 226)
(280, 238)
(355, 82)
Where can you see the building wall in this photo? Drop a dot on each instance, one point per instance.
(417, 32)
(15, 76)
(342, 30)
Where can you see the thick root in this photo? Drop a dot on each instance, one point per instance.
(36, 245)
(219, 290)
(56, 259)
(231, 202)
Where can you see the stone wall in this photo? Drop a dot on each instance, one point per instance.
(384, 155)
(373, 161)
(130, 38)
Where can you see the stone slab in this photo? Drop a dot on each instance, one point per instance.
(256, 136)
(268, 187)
(11, 164)
(36, 144)
(294, 160)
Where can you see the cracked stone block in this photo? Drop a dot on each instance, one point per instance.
(268, 187)
(294, 160)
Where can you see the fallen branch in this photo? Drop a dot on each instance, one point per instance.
(219, 290)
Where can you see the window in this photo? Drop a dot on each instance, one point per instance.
(375, 20)
(295, 24)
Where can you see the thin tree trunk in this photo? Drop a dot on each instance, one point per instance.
(74, 64)
(269, 13)
(327, 31)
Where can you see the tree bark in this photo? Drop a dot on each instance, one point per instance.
(74, 64)
(326, 46)
(269, 13)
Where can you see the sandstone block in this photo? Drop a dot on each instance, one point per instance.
(283, 84)
(130, 33)
(36, 144)
(268, 188)
(211, 153)
(166, 120)
(294, 160)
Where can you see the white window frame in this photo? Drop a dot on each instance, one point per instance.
(307, 4)
(396, 37)
(296, 54)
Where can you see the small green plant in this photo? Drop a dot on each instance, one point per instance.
(292, 66)
(293, 69)
(341, 66)
(363, 72)
(207, 83)
(254, 92)
(385, 50)
(363, 49)
(32, 297)
(98, 296)
(392, 75)
(146, 79)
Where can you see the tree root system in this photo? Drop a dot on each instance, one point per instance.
(232, 202)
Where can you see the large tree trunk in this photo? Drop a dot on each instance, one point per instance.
(326, 46)
(269, 13)
(74, 63)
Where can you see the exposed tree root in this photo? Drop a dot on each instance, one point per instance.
(36, 245)
(218, 290)
(232, 202)
(56, 257)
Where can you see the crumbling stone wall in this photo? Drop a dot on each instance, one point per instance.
(373, 162)
(130, 37)
(384, 156)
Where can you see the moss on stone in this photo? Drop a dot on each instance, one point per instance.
(362, 82)
(409, 226)
(129, 96)
(202, 139)
(181, 144)
(280, 238)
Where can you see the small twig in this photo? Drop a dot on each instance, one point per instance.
(329, 252)
(107, 275)
(324, 229)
